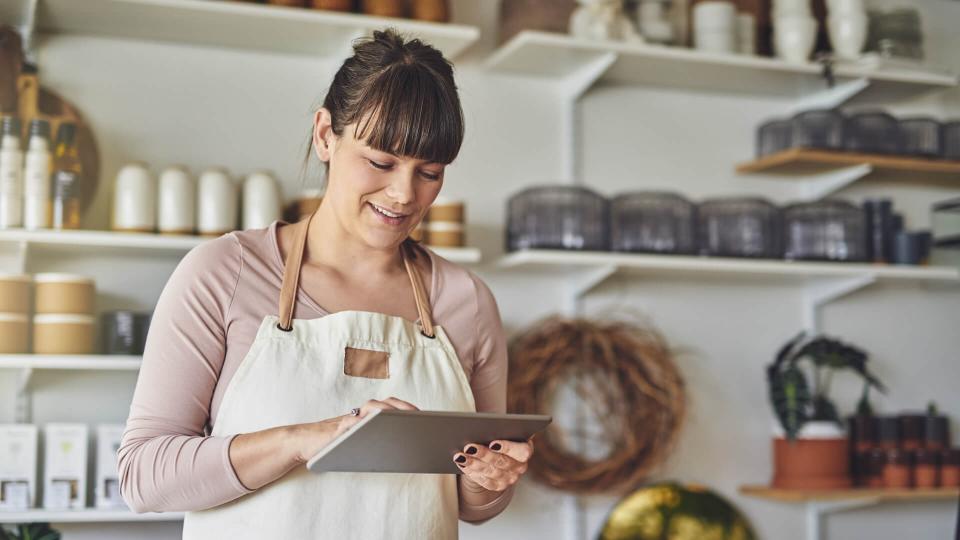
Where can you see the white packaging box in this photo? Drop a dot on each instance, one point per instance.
(65, 466)
(107, 488)
(18, 466)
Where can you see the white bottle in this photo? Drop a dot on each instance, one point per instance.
(176, 201)
(261, 201)
(11, 175)
(217, 203)
(36, 177)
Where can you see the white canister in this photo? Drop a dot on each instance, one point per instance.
(791, 8)
(176, 201)
(261, 200)
(794, 38)
(134, 206)
(746, 33)
(848, 34)
(715, 26)
(217, 203)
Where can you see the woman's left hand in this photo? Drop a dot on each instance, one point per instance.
(496, 467)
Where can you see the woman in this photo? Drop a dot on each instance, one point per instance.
(234, 395)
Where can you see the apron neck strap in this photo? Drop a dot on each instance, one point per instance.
(291, 280)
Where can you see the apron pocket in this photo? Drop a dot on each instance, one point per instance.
(366, 363)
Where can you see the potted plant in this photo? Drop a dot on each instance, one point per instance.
(29, 531)
(812, 451)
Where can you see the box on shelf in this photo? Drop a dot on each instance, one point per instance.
(15, 293)
(63, 334)
(65, 466)
(13, 333)
(63, 293)
(107, 489)
(18, 466)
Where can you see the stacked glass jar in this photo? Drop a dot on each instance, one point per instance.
(904, 451)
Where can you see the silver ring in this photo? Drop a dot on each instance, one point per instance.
(355, 411)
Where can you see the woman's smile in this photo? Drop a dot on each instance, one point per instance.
(388, 217)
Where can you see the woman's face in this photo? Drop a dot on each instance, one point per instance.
(377, 196)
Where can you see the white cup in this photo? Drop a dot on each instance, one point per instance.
(715, 15)
(716, 42)
(177, 201)
(261, 201)
(791, 8)
(838, 7)
(848, 35)
(794, 38)
(134, 199)
(216, 203)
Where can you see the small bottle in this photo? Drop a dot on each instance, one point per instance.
(36, 177)
(898, 471)
(67, 177)
(11, 174)
(927, 470)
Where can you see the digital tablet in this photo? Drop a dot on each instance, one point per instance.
(398, 441)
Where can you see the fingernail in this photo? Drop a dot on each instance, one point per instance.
(496, 447)
(461, 459)
(471, 450)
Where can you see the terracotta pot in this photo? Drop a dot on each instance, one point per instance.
(822, 463)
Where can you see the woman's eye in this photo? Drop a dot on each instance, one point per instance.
(381, 166)
(430, 176)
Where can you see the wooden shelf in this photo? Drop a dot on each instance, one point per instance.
(705, 267)
(87, 515)
(561, 57)
(237, 25)
(95, 362)
(879, 495)
(120, 243)
(805, 162)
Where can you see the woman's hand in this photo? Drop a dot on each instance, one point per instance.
(313, 437)
(495, 467)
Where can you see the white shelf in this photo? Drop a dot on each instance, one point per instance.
(671, 265)
(119, 243)
(238, 25)
(87, 515)
(105, 362)
(562, 57)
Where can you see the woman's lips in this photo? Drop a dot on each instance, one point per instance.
(385, 219)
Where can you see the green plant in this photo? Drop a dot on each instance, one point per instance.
(795, 401)
(29, 531)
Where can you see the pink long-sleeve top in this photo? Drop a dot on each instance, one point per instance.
(204, 324)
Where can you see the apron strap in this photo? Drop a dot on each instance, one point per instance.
(291, 281)
(291, 275)
(419, 292)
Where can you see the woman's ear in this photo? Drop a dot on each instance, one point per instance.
(323, 136)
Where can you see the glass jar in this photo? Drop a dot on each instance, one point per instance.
(558, 217)
(825, 231)
(740, 227)
(652, 222)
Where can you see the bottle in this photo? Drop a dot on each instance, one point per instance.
(36, 177)
(11, 174)
(67, 177)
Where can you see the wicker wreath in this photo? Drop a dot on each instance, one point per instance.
(624, 373)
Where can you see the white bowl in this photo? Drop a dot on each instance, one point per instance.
(794, 38)
(848, 35)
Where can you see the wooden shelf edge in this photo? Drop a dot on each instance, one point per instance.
(798, 158)
(801, 496)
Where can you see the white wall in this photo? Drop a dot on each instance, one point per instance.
(167, 104)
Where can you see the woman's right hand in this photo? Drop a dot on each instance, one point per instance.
(312, 437)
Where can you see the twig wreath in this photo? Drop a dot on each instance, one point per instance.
(624, 373)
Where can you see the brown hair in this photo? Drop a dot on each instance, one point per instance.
(403, 96)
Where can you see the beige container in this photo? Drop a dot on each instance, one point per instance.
(15, 293)
(13, 334)
(445, 234)
(446, 210)
(63, 293)
(63, 334)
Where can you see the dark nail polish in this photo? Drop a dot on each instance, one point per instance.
(461, 459)
(496, 447)
(471, 450)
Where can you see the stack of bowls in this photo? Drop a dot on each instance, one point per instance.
(444, 227)
(63, 321)
(847, 24)
(715, 27)
(14, 313)
(795, 30)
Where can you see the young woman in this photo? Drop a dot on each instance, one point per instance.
(267, 344)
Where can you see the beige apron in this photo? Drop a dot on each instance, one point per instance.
(321, 368)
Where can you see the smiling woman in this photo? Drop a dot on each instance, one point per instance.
(264, 341)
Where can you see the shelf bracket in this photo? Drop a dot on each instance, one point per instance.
(816, 187)
(22, 406)
(832, 97)
(589, 279)
(819, 294)
(574, 87)
(817, 510)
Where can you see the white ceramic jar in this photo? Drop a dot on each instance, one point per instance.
(217, 204)
(715, 27)
(794, 38)
(176, 201)
(261, 200)
(134, 196)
